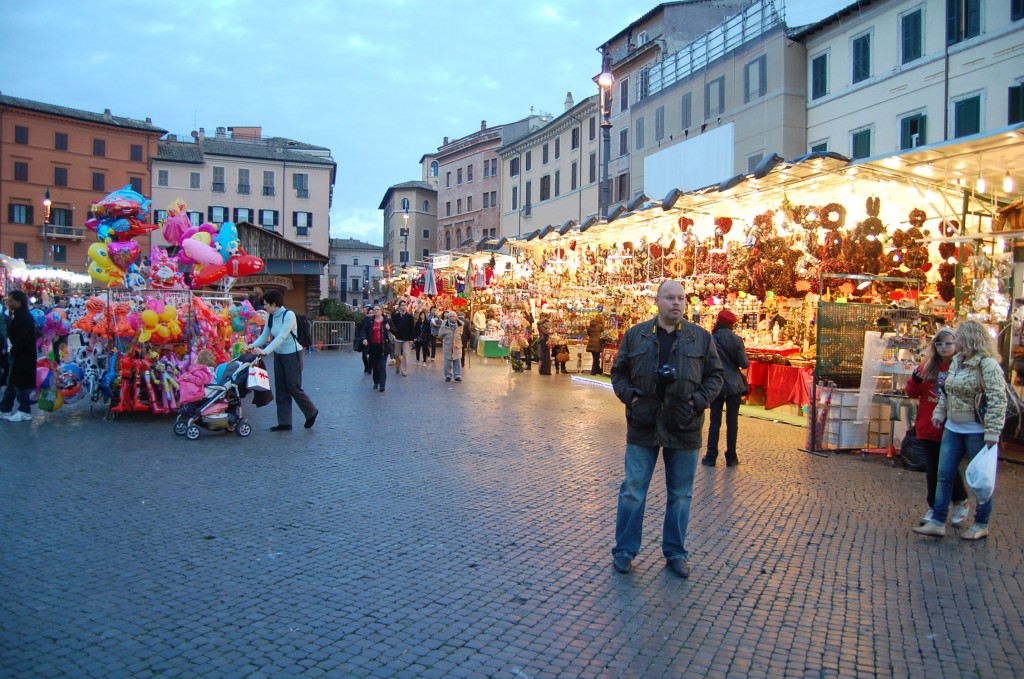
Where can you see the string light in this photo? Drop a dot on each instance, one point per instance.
(980, 186)
(1007, 183)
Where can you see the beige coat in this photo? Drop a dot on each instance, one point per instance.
(451, 340)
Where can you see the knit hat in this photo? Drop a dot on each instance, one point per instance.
(944, 331)
(726, 317)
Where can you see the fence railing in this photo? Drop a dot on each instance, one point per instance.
(333, 334)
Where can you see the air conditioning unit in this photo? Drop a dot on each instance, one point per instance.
(641, 38)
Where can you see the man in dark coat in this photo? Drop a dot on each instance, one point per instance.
(734, 358)
(666, 372)
(22, 377)
(403, 327)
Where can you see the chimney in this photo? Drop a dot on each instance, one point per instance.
(202, 134)
(483, 124)
(250, 133)
(222, 132)
(106, 113)
(445, 140)
(149, 120)
(172, 137)
(569, 103)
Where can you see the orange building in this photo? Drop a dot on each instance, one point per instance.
(77, 157)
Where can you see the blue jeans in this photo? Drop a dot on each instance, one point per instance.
(954, 448)
(451, 367)
(680, 468)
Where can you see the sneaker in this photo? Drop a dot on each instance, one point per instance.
(19, 417)
(926, 518)
(5, 415)
(707, 461)
(458, 379)
(622, 563)
(932, 528)
(960, 511)
(977, 531)
(424, 364)
(447, 379)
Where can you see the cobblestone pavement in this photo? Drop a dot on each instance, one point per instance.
(464, 530)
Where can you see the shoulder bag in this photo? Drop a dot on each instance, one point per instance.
(1014, 404)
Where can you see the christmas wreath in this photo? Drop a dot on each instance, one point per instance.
(685, 223)
(723, 224)
(832, 216)
(917, 217)
(949, 227)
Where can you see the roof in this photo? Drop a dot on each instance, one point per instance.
(291, 143)
(258, 150)
(105, 118)
(179, 152)
(250, 234)
(353, 244)
(811, 29)
(405, 185)
(645, 17)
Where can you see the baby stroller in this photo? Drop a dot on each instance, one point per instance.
(221, 407)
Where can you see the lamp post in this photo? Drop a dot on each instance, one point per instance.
(605, 81)
(405, 235)
(46, 224)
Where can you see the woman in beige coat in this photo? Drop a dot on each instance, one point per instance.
(595, 343)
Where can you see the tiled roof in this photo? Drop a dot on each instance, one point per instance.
(258, 150)
(353, 244)
(404, 185)
(179, 152)
(291, 143)
(89, 116)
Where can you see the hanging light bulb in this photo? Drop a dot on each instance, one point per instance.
(1007, 183)
(980, 186)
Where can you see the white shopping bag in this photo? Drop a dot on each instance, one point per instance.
(981, 473)
(259, 378)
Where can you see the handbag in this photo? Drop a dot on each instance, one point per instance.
(563, 356)
(259, 378)
(1014, 404)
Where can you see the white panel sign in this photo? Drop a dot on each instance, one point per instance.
(704, 160)
(441, 261)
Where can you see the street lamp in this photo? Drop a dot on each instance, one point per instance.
(605, 81)
(46, 224)
(405, 234)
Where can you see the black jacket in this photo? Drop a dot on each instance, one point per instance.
(422, 331)
(670, 422)
(367, 329)
(403, 325)
(733, 357)
(22, 333)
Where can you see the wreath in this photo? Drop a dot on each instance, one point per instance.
(685, 223)
(724, 224)
(832, 216)
(677, 267)
(917, 217)
(949, 227)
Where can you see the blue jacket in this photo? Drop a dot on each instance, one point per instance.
(283, 333)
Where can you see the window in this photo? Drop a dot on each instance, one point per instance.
(558, 148)
(687, 110)
(434, 168)
(447, 180)
(196, 218)
(99, 147)
(469, 203)
(426, 206)
(218, 179)
(60, 141)
(494, 167)
(592, 170)
(487, 168)
(447, 241)
(574, 139)
(217, 214)
(911, 37)
(1015, 99)
(163, 178)
(268, 183)
(458, 175)
(623, 183)
(354, 287)
(426, 252)
(752, 161)
(494, 199)
(623, 142)
(544, 155)
(528, 199)
(593, 128)
(268, 219)
(458, 206)
(426, 234)
(243, 214)
(819, 76)
(243, 181)
(659, 123)
(714, 97)
(487, 199)
(136, 184)
(135, 153)
(963, 20)
(20, 134)
(303, 222)
(21, 250)
(912, 131)
(355, 261)
(860, 144)
(861, 58)
(545, 187)
(469, 173)
(61, 216)
(755, 79)
(819, 147)
(159, 216)
(573, 180)
(513, 167)
(99, 181)
(405, 205)
(967, 116)
(59, 253)
(1016, 10)
(448, 209)
(60, 176)
(624, 95)
(643, 79)
(20, 171)
(639, 133)
(529, 160)
(300, 182)
(558, 183)
(19, 214)
(515, 198)
(194, 180)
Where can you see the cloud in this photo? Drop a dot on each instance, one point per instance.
(553, 15)
(360, 223)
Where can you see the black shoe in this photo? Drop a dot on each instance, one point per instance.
(732, 463)
(622, 563)
(376, 386)
(458, 379)
(447, 379)
(382, 390)
(707, 461)
(310, 421)
(680, 567)
(281, 427)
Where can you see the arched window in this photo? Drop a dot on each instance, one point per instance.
(405, 204)
(433, 169)
(458, 237)
(426, 206)
(448, 241)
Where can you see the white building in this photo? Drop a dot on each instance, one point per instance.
(355, 272)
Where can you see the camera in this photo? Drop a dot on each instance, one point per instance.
(666, 374)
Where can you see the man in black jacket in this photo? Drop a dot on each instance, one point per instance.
(402, 326)
(22, 376)
(666, 372)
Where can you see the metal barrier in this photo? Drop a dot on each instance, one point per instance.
(333, 334)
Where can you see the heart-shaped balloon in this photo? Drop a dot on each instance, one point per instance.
(123, 254)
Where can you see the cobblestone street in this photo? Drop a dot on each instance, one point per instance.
(464, 530)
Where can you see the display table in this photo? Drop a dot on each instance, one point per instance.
(490, 347)
(782, 383)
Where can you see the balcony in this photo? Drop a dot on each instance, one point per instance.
(243, 188)
(65, 232)
(302, 193)
(268, 190)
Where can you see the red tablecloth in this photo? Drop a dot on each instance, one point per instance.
(774, 352)
(782, 383)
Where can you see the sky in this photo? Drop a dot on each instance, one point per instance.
(379, 82)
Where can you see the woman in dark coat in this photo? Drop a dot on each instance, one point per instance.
(733, 356)
(594, 343)
(22, 377)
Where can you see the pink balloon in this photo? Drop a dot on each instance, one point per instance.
(123, 254)
(201, 252)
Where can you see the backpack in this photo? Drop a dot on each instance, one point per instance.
(303, 330)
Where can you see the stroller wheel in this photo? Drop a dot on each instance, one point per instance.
(180, 427)
(192, 432)
(243, 428)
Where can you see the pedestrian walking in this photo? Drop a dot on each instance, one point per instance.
(403, 328)
(376, 328)
(467, 338)
(423, 337)
(595, 343)
(667, 372)
(21, 375)
(924, 384)
(435, 327)
(733, 356)
(451, 347)
(543, 350)
(279, 336)
(974, 368)
(4, 358)
(528, 324)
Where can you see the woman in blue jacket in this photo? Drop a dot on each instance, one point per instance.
(279, 330)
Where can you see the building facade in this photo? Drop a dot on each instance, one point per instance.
(76, 158)
(890, 75)
(410, 224)
(355, 272)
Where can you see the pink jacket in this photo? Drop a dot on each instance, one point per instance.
(192, 383)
